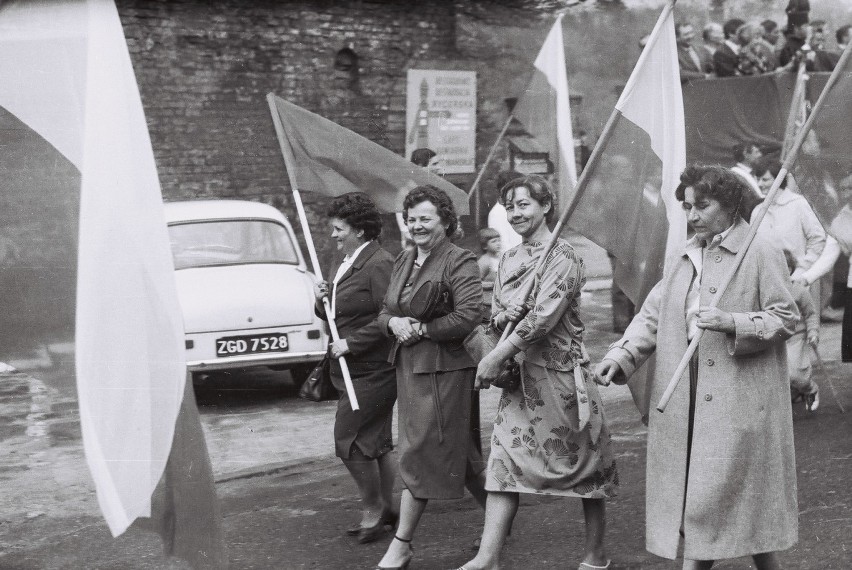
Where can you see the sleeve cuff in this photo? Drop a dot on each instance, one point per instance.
(623, 358)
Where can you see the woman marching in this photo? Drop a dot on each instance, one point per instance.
(550, 436)
(362, 438)
(432, 304)
(721, 473)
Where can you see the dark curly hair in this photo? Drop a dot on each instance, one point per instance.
(538, 189)
(439, 199)
(357, 210)
(718, 183)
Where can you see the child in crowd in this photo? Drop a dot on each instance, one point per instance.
(492, 246)
(802, 387)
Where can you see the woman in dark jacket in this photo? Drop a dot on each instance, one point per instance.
(359, 281)
(434, 372)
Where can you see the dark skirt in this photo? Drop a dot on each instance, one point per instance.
(369, 429)
(436, 446)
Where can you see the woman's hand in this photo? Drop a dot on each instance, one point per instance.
(488, 370)
(715, 319)
(321, 290)
(813, 337)
(338, 348)
(607, 371)
(403, 330)
(512, 314)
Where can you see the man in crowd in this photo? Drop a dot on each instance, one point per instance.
(726, 58)
(772, 34)
(843, 35)
(713, 37)
(747, 154)
(694, 64)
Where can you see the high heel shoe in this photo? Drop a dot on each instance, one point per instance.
(369, 534)
(408, 558)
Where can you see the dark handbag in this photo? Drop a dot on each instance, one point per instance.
(479, 343)
(432, 300)
(318, 386)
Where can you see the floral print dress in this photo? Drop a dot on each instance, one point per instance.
(550, 436)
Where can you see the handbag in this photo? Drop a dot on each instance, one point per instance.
(432, 300)
(318, 386)
(479, 343)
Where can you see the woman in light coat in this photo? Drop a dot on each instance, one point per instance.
(721, 471)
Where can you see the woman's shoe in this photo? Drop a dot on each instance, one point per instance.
(369, 534)
(354, 530)
(408, 558)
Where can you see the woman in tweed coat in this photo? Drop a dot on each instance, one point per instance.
(721, 471)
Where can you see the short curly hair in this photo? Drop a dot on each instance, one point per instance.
(357, 210)
(538, 189)
(718, 183)
(439, 199)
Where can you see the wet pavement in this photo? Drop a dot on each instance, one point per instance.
(286, 498)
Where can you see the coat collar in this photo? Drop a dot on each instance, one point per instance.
(363, 256)
(731, 241)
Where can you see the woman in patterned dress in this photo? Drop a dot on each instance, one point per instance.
(550, 436)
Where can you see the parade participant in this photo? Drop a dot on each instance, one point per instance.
(363, 439)
(491, 246)
(747, 154)
(802, 386)
(721, 471)
(437, 453)
(839, 242)
(565, 448)
(790, 223)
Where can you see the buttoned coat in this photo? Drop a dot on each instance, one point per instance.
(360, 296)
(740, 497)
(443, 351)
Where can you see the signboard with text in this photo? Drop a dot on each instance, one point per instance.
(441, 116)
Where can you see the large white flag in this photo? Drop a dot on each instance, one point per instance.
(545, 110)
(66, 74)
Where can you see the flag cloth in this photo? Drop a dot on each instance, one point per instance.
(545, 111)
(70, 92)
(332, 160)
(629, 207)
(826, 155)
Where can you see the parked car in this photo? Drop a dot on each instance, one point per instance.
(246, 295)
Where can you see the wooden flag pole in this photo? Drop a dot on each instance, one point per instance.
(755, 224)
(475, 186)
(289, 161)
(795, 109)
(583, 181)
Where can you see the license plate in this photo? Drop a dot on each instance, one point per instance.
(251, 344)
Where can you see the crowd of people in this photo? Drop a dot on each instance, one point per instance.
(720, 459)
(738, 47)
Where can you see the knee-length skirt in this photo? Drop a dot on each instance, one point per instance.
(537, 446)
(435, 440)
(367, 430)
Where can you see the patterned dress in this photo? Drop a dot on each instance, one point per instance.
(538, 444)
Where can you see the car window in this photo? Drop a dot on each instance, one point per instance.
(230, 242)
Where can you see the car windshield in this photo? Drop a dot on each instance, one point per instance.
(230, 242)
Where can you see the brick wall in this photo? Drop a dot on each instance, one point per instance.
(204, 69)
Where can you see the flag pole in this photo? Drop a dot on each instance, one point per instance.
(796, 108)
(287, 152)
(755, 224)
(475, 186)
(583, 180)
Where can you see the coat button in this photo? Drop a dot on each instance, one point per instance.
(708, 397)
(718, 258)
(712, 289)
(710, 362)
